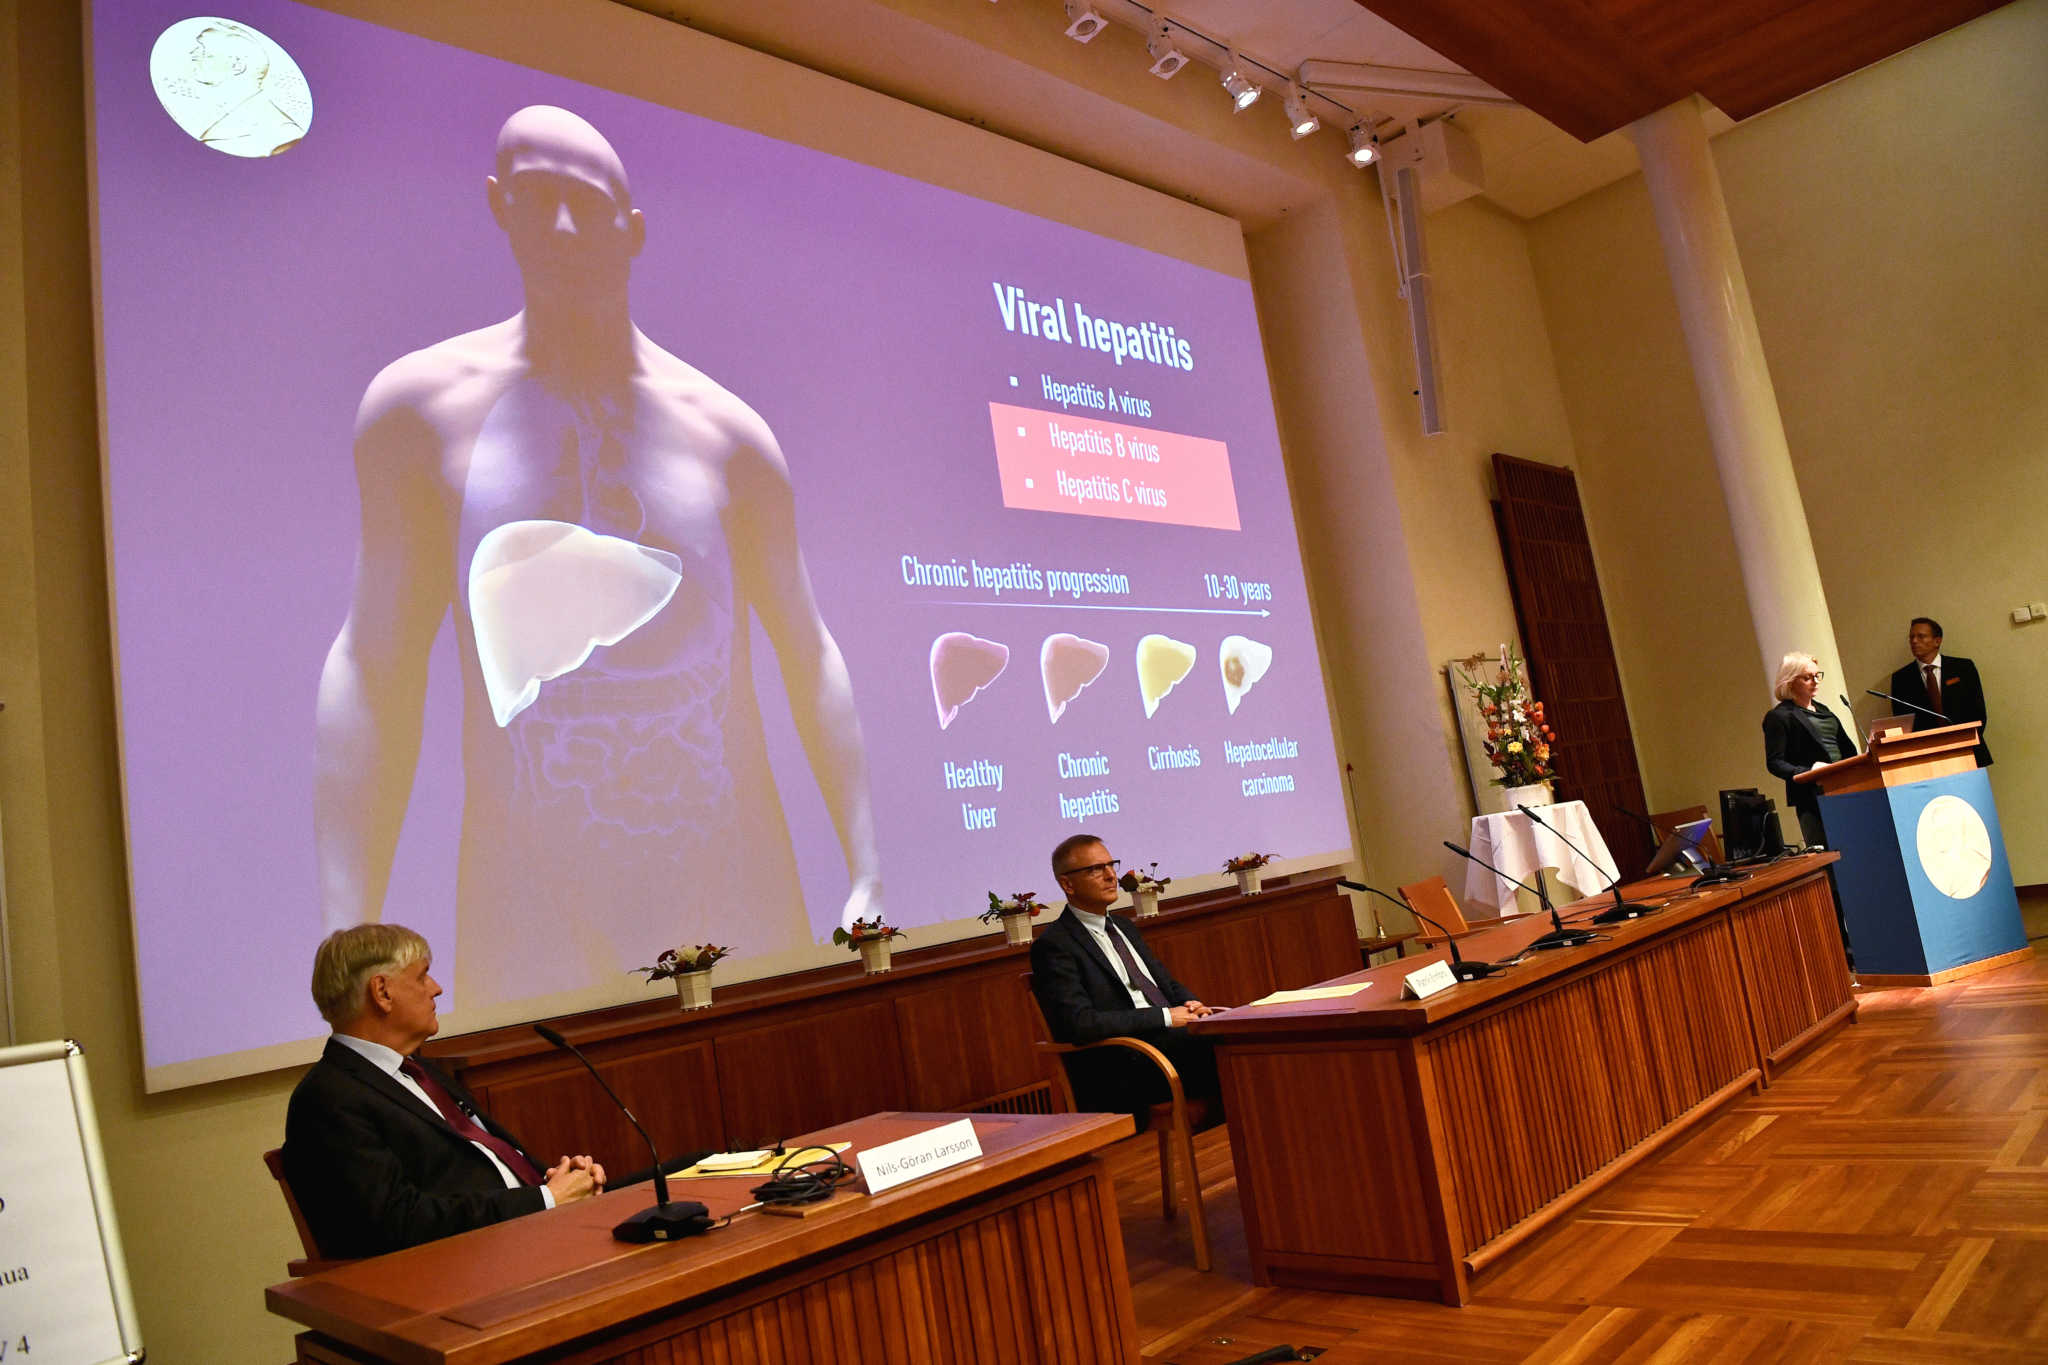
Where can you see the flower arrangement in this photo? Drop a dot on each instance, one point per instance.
(1248, 862)
(1022, 903)
(864, 931)
(676, 961)
(1135, 881)
(1517, 740)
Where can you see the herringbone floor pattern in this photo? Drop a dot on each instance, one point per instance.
(1886, 1201)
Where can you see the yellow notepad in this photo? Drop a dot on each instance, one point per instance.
(1311, 993)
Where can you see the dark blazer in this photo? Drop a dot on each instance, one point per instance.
(1962, 698)
(1083, 998)
(374, 1169)
(1792, 745)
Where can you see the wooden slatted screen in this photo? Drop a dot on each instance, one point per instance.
(1563, 622)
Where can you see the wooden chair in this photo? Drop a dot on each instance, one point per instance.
(1672, 819)
(1433, 898)
(1176, 1120)
(314, 1261)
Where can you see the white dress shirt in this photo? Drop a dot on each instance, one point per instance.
(388, 1061)
(1098, 929)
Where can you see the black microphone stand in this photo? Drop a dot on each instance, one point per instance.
(1621, 909)
(1460, 968)
(1901, 701)
(1559, 936)
(667, 1220)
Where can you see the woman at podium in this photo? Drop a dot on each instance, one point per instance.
(1801, 733)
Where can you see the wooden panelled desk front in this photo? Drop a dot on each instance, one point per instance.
(1386, 1146)
(1015, 1257)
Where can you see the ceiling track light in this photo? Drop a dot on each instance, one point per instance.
(1243, 93)
(1364, 145)
(1083, 23)
(1301, 120)
(1167, 60)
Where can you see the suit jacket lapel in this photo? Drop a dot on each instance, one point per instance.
(1092, 948)
(388, 1089)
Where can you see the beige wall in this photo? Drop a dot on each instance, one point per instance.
(1890, 227)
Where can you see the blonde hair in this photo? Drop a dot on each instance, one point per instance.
(1795, 664)
(348, 958)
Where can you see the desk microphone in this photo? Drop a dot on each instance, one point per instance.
(1460, 968)
(1621, 909)
(1559, 936)
(1901, 701)
(667, 1220)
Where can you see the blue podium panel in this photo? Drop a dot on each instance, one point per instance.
(1924, 879)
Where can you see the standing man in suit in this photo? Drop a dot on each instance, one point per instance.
(382, 1150)
(1940, 683)
(1095, 979)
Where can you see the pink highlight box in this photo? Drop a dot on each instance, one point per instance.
(1060, 462)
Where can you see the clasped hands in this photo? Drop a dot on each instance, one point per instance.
(574, 1177)
(1192, 1010)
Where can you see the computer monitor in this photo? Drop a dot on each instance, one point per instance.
(1681, 846)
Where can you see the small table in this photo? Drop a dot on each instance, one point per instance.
(1519, 846)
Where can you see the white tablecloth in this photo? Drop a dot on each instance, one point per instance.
(1520, 847)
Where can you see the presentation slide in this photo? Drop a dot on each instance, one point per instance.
(573, 527)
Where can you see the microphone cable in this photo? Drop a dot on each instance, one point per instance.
(794, 1182)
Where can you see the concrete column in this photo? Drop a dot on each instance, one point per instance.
(1772, 541)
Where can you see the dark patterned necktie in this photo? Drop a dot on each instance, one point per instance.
(1141, 983)
(468, 1128)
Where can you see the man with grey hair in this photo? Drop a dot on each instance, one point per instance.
(382, 1150)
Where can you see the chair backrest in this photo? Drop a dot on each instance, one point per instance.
(1672, 819)
(1042, 1036)
(1433, 898)
(314, 1260)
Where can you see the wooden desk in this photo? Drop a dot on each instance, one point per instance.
(1014, 1257)
(1399, 1147)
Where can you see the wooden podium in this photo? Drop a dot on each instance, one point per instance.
(1925, 884)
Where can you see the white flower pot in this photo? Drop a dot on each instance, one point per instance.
(1146, 899)
(693, 990)
(874, 955)
(1535, 794)
(1248, 881)
(1017, 929)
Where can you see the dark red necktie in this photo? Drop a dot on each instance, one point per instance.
(1933, 681)
(468, 1128)
(1141, 983)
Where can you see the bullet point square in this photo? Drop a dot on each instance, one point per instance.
(1013, 381)
(1020, 431)
(1030, 483)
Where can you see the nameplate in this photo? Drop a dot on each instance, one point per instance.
(1435, 977)
(920, 1154)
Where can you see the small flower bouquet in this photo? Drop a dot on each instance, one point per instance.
(1135, 881)
(691, 970)
(1144, 888)
(869, 938)
(1246, 867)
(1517, 739)
(678, 961)
(1016, 913)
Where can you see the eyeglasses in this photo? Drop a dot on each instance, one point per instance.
(1110, 867)
(1812, 677)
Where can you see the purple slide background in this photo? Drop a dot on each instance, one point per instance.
(246, 304)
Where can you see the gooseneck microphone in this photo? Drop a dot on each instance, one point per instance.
(1559, 936)
(1901, 701)
(1621, 909)
(668, 1219)
(1460, 968)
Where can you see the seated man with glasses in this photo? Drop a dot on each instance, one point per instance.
(1095, 979)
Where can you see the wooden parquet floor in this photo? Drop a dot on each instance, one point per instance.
(1886, 1201)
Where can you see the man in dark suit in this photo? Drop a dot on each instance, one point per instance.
(1941, 683)
(384, 1151)
(1095, 979)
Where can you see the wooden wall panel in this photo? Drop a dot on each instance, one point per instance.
(672, 1090)
(957, 1039)
(810, 1071)
(1223, 965)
